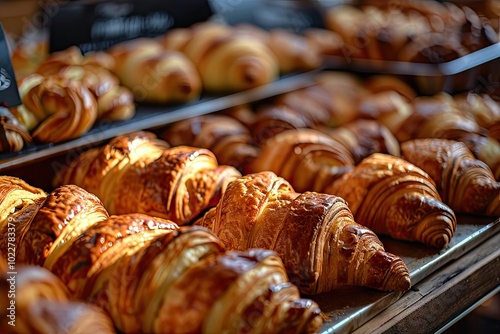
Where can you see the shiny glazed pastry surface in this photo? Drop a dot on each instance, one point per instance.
(315, 234)
(146, 273)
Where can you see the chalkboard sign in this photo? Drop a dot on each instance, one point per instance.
(295, 16)
(93, 26)
(9, 93)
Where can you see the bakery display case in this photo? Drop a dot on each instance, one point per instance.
(247, 175)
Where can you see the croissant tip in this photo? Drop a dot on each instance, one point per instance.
(185, 88)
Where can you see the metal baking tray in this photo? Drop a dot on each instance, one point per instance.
(349, 308)
(151, 117)
(476, 70)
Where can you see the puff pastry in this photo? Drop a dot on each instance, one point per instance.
(315, 234)
(394, 197)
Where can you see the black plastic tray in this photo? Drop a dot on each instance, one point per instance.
(474, 71)
(151, 117)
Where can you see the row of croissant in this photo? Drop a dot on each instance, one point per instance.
(409, 31)
(315, 213)
(64, 94)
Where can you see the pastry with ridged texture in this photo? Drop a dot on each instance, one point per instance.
(227, 59)
(43, 305)
(393, 197)
(19, 202)
(64, 108)
(225, 136)
(363, 137)
(153, 74)
(114, 101)
(137, 173)
(465, 183)
(315, 234)
(309, 159)
(13, 134)
(151, 276)
(441, 116)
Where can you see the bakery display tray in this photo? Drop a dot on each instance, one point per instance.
(476, 70)
(349, 308)
(151, 117)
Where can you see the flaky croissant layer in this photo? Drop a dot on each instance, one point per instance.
(148, 274)
(394, 197)
(315, 234)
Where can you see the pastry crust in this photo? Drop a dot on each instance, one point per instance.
(394, 197)
(315, 234)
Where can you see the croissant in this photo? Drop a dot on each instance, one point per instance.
(363, 137)
(327, 42)
(483, 109)
(321, 105)
(225, 136)
(309, 159)
(114, 102)
(66, 109)
(440, 116)
(466, 184)
(139, 173)
(227, 59)
(43, 305)
(321, 246)
(272, 119)
(18, 203)
(294, 52)
(96, 256)
(393, 197)
(155, 75)
(13, 134)
(388, 107)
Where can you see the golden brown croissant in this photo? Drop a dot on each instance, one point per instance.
(315, 234)
(440, 116)
(154, 74)
(483, 109)
(13, 134)
(65, 108)
(114, 102)
(227, 59)
(137, 267)
(363, 137)
(137, 173)
(46, 234)
(466, 184)
(43, 305)
(294, 52)
(225, 136)
(394, 197)
(309, 159)
(19, 202)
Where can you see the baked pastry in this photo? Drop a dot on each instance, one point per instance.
(315, 234)
(138, 173)
(43, 305)
(114, 102)
(136, 267)
(19, 202)
(227, 59)
(309, 159)
(440, 116)
(394, 197)
(13, 134)
(466, 184)
(225, 136)
(65, 109)
(294, 52)
(364, 137)
(155, 75)
(47, 231)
